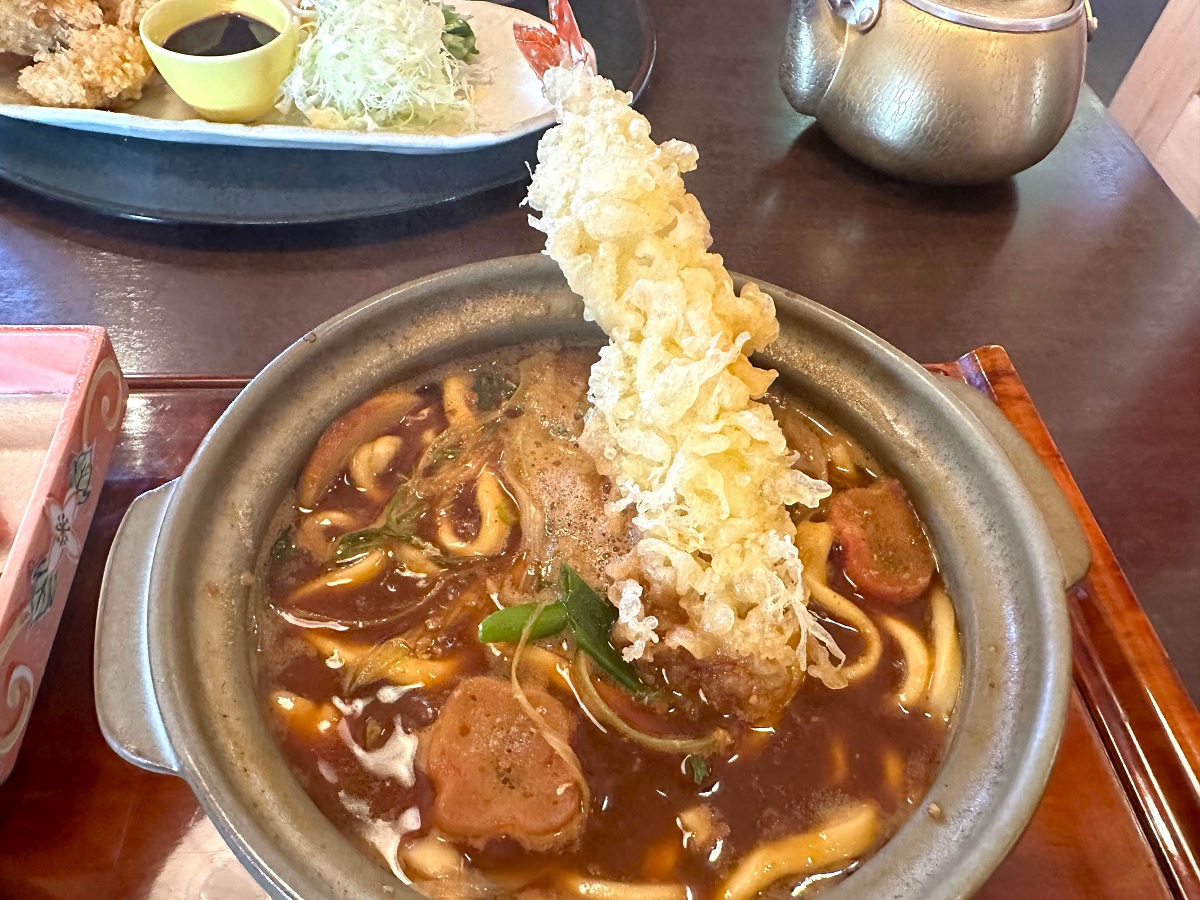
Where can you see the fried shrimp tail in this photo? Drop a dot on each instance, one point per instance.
(544, 48)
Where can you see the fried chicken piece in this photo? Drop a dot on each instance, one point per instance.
(100, 69)
(126, 13)
(29, 27)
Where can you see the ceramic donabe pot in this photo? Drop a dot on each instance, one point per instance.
(174, 649)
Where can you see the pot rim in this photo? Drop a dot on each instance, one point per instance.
(961, 872)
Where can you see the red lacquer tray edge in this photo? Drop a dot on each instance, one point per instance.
(1147, 721)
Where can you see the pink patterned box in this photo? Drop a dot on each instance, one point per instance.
(62, 397)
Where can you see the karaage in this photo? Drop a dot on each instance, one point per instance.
(29, 27)
(100, 68)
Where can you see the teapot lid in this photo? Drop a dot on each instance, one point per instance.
(1005, 15)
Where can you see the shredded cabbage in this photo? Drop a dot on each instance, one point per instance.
(369, 65)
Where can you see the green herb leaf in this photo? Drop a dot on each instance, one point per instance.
(506, 625)
(399, 524)
(591, 618)
(491, 389)
(697, 767)
(457, 36)
(357, 544)
(402, 513)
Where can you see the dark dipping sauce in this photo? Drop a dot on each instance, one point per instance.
(335, 694)
(224, 34)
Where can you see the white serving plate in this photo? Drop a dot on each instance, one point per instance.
(508, 104)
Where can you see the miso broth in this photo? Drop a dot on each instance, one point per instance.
(463, 492)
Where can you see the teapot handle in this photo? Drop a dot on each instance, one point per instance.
(860, 15)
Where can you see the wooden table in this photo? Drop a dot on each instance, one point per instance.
(1085, 268)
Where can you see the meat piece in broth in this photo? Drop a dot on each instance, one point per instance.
(801, 439)
(884, 551)
(562, 482)
(495, 775)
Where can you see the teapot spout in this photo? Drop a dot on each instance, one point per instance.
(812, 50)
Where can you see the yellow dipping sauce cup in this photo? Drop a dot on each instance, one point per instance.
(240, 87)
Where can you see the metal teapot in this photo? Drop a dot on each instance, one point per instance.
(954, 92)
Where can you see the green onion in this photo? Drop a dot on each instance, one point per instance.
(592, 618)
(589, 616)
(505, 625)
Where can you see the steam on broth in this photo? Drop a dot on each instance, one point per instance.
(539, 761)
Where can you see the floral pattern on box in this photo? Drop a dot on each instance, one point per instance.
(50, 535)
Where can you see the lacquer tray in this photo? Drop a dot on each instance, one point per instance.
(1120, 818)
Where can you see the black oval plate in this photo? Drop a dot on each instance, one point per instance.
(160, 181)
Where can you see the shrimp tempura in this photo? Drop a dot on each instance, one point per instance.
(676, 423)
